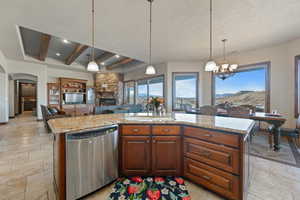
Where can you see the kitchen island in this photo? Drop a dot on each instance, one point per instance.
(208, 150)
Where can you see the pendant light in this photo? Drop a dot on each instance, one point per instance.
(93, 66)
(211, 64)
(150, 70)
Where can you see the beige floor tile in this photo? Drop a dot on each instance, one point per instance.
(26, 169)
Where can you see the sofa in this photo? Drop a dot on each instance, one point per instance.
(129, 108)
(51, 113)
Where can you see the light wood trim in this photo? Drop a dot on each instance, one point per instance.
(119, 63)
(44, 46)
(79, 49)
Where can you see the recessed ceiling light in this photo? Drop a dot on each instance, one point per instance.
(65, 41)
(57, 54)
(103, 63)
(117, 56)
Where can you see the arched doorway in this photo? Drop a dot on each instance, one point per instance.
(23, 92)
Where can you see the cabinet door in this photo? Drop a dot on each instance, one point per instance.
(166, 155)
(136, 155)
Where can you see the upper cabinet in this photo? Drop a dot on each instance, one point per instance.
(53, 94)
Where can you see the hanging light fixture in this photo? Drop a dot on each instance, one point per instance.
(211, 64)
(93, 66)
(225, 70)
(150, 70)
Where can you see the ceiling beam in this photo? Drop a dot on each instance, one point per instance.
(121, 62)
(44, 46)
(103, 57)
(79, 49)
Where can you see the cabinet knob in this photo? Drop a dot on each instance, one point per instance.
(135, 130)
(205, 153)
(147, 141)
(206, 177)
(153, 141)
(207, 135)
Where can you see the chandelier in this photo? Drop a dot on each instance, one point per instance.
(225, 70)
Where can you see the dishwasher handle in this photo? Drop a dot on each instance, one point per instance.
(92, 134)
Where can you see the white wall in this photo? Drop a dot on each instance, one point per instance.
(11, 93)
(38, 70)
(139, 73)
(3, 89)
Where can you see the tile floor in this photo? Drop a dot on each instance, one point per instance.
(26, 169)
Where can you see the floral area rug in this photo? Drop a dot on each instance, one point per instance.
(150, 188)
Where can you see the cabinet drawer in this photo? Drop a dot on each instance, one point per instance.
(166, 130)
(219, 156)
(135, 130)
(216, 180)
(217, 137)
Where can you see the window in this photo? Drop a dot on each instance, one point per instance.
(297, 86)
(142, 92)
(129, 92)
(248, 87)
(146, 88)
(185, 90)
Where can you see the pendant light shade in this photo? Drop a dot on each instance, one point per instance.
(93, 66)
(150, 69)
(211, 64)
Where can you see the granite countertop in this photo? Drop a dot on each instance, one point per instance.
(74, 124)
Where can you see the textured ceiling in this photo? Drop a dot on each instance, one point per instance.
(60, 51)
(180, 29)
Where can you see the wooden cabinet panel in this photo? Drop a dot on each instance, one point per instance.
(216, 180)
(211, 136)
(136, 130)
(136, 155)
(219, 156)
(166, 130)
(166, 155)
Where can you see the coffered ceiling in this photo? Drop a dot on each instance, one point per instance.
(180, 27)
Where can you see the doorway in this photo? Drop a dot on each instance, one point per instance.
(27, 97)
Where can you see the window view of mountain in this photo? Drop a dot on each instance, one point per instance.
(244, 88)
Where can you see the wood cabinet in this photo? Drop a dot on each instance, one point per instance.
(166, 155)
(214, 179)
(149, 155)
(53, 95)
(136, 155)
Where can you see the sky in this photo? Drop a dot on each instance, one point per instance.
(253, 80)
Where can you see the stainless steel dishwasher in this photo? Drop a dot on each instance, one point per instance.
(92, 160)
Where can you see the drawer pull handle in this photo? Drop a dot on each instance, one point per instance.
(205, 153)
(206, 177)
(166, 130)
(135, 130)
(207, 135)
